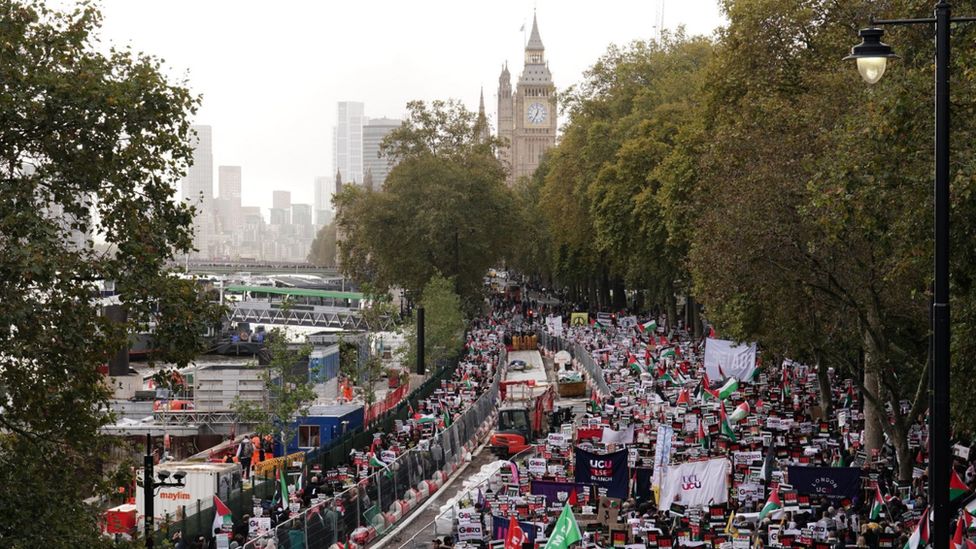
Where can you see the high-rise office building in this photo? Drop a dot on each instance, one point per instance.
(228, 201)
(347, 141)
(301, 214)
(197, 188)
(322, 207)
(281, 200)
(373, 133)
(280, 216)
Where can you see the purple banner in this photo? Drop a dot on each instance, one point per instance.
(555, 491)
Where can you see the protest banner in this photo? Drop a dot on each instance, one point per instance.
(725, 359)
(607, 471)
(833, 482)
(696, 483)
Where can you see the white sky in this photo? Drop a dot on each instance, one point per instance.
(271, 73)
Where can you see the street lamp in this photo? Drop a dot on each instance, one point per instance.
(150, 486)
(872, 56)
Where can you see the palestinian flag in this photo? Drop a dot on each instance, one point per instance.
(222, 514)
(849, 399)
(649, 325)
(447, 419)
(957, 488)
(726, 427)
(731, 386)
(281, 491)
(683, 398)
(668, 353)
(632, 362)
(703, 437)
(959, 540)
(877, 505)
(920, 537)
(594, 323)
(772, 504)
(740, 412)
(375, 462)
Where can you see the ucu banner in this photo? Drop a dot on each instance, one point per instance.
(608, 471)
(695, 484)
(690, 482)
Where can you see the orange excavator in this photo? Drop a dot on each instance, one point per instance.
(523, 415)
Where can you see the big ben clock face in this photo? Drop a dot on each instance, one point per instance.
(536, 113)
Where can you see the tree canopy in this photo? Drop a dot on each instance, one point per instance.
(91, 148)
(444, 208)
(756, 174)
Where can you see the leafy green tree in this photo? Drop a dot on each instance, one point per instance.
(601, 192)
(91, 148)
(443, 326)
(323, 250)
(813, 236)
(288, 393)
(443, 208)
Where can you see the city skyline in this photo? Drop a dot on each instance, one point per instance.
(271, 80)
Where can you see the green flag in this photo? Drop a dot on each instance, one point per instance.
(566, 532)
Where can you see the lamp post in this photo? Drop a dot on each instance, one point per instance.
(871, 56)
(150, 486)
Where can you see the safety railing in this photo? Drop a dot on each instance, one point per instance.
(368, 510)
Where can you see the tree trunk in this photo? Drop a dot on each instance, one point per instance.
(826, 404)
(592, 291)
(604, 297)
(694, 325)
(906, 461)
(671, 302)
(619, 294)
(873, 433)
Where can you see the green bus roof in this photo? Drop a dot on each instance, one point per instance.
(303, 292)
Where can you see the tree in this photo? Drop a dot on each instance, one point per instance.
(91, 148)
(443, 325)
(288, 393)
(443, 208)
(323, 250)
(601, 191)
(813, 236)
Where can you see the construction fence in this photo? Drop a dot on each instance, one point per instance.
(370, 509)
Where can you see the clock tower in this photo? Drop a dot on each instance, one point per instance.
(534, 112)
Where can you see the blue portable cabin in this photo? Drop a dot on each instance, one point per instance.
(324, 424)
(323, 364)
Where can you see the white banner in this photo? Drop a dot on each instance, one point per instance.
(618, 437)
(662, 452)
(554, 324)
(625, 322)
(725, 359)
(696, 484)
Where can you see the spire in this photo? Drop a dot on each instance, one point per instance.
(368, 179)
(482, 132)
(338, 182)
(535, 42)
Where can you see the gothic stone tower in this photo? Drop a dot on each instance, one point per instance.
(506, 123)
(535, 110)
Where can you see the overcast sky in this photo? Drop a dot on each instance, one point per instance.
(271, 73)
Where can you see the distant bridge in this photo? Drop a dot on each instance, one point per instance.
(256, 267)
(304, 307)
